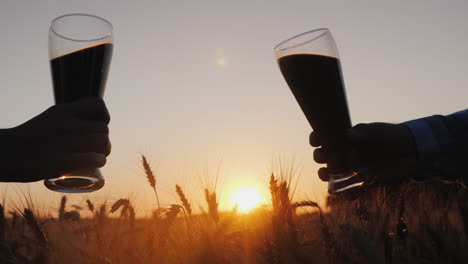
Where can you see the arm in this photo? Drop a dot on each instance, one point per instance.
(442, 145)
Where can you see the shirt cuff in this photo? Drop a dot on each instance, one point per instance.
(426, 141)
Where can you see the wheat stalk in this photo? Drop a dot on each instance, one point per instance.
(63, 204)
(274, 192)
(72, 215)
(14, 219)
(151, 179)
(171, 215)
(127, 209)
(90, 206)
(282, 208)
(305, 204)
(101, 214)
(184, 200)
(34, 225)
(212, 204)
(119, 203)
(131, 213)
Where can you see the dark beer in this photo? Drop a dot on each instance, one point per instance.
(317, 85)
(81, 74)
(78, 75)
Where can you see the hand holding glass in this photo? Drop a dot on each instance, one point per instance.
(311, 67)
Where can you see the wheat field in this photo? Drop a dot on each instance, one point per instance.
(411, 223)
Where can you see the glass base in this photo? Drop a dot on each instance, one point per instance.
(82, 181)
(341, 183)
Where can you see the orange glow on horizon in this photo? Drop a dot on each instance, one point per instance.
(246, 198)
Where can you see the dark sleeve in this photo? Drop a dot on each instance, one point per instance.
(442, 143)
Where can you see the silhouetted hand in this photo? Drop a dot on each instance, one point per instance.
(62, 139)
(386, 152)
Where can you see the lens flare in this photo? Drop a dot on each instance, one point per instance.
(221, 61)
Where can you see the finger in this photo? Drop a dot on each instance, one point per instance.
(314, 140)
(323, 174)
(74, 161)
(63, 163)
(89, 109)
(79, 126)
(98, 143)
(320, 156)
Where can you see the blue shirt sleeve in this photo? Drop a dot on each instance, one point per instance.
(442, 145)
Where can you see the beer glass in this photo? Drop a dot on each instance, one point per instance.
(80, 51)
(310, 64)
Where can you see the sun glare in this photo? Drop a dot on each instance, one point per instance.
(246, 198)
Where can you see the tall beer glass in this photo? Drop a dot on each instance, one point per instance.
(80, 51)
(310, 65)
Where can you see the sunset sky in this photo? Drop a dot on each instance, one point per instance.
(194, 85)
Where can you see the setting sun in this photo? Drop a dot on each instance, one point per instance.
(246, 198)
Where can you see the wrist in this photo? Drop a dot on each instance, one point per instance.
(5, 149)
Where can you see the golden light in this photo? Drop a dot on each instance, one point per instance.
(221, 61)
(246, 198)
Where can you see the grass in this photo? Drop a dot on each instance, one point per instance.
(411, 223)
